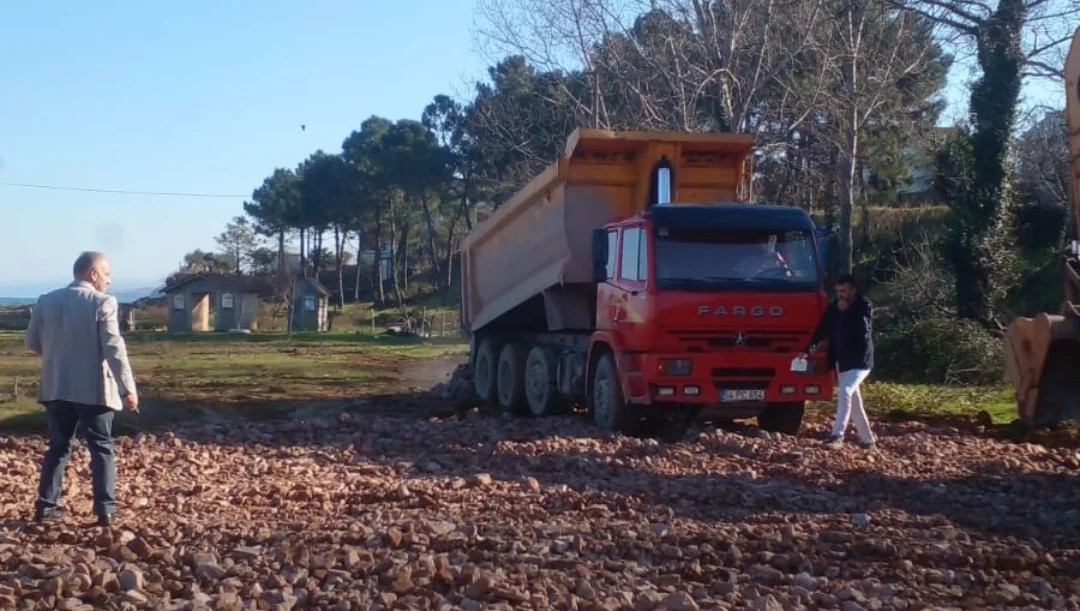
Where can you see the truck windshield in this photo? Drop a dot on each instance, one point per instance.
(707, 259)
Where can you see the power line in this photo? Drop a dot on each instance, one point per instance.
(120, 191)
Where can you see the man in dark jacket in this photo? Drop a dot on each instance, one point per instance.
(847, 325)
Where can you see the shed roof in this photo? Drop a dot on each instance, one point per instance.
(239, 284)
(311, 285)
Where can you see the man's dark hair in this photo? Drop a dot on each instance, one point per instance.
(848, 279)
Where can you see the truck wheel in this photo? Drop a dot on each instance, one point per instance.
(610, 409)
(484, 372)
(510, 381)
(782, 417)
(540, 391)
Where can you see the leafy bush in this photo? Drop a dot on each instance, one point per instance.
(1040, 226)
(939, 351)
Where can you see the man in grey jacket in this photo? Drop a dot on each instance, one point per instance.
(85, 379)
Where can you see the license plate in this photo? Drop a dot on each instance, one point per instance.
(742, 395)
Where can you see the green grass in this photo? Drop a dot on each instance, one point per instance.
(441, 319)
(254, 376)
(934, 401)
(267, 375)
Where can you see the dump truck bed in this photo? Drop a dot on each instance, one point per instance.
(539, 241)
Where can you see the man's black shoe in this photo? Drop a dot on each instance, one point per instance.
(49, 514)
(105, 519)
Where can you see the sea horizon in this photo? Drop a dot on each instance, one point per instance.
(123, 295)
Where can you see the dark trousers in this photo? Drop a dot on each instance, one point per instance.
(94, 423)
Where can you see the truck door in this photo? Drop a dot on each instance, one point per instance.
(632, 284)
(607, 294)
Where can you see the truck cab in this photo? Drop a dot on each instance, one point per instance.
(706, 306)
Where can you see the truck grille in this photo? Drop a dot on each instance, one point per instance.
(751, 385)
(761, 340)
(743, 372)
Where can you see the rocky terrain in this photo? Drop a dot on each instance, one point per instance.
(477, 511)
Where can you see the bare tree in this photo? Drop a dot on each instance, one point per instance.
(1041, 161)
(871, 55)
(677, 64)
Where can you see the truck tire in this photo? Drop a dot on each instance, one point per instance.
(782, 417)
(609, 407)
(484, 371)
(540, 391)
(510, 381)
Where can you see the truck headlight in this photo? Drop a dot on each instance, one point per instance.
(675, 367)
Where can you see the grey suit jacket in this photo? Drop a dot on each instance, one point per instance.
(76, 331)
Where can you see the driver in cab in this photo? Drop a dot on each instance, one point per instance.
(761, 259)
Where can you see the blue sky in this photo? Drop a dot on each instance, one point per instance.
(194, 96)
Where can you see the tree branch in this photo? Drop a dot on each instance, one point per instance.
(969, 29)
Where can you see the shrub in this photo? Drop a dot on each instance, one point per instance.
(939, 351)
(1040, 226)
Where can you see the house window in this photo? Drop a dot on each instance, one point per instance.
(226, 301)
(178, 302)
(309, 303)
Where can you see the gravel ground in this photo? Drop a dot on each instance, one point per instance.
(480, 512)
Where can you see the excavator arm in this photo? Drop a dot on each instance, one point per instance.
(1072, 122)
(1042, 354)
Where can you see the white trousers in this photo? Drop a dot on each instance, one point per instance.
(849, 405)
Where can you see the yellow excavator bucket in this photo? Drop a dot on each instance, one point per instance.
(1042, 354)
(1042, 362)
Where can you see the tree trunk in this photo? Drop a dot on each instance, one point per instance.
(281, 253)
(303, 251)
(466, 187)
(359, 254)
(448, 257)
(852, 124)
(339, 253)
(847, 206)
(380, 291)
(318, 248)
(396, 248)
(432, 249)
(403, 259)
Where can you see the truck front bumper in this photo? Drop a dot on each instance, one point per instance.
(736, 380)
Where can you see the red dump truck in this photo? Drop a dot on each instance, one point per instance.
(632, 277)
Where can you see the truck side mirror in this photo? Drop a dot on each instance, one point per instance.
(599, 255)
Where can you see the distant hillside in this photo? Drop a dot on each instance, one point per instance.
(136, 294)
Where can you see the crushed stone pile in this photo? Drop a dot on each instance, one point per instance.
(479, 512)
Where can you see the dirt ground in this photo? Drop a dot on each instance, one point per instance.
(370, 509)
(428, 373)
